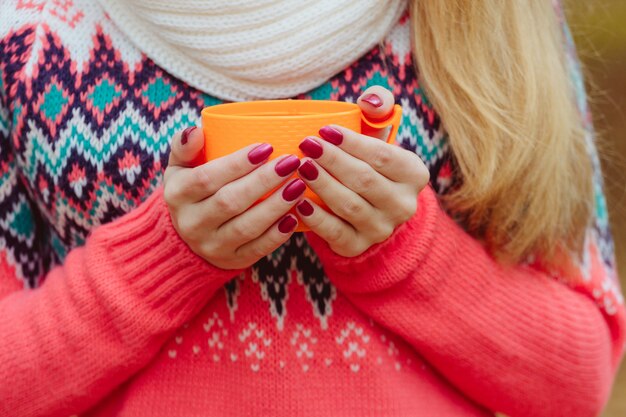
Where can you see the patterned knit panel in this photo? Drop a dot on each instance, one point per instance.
(91, 136)
(86, 122)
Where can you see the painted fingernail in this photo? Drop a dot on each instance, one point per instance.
(185, 136)
(287, 165)
(332, 135)
(308, 171)
(287, 224)
(305, 208)
(311, 148)
(294, 189)
(372, 99)
(260, 153)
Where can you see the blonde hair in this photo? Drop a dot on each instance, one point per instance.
(497, 74)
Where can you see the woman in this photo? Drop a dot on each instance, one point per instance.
(123, 296)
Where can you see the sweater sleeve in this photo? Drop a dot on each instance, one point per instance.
(100, 316)
(519, 340)
(511, 338)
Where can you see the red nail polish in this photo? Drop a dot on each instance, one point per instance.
(372, 99)
(308, 171)
(185, 136)
(305, 208)
(260, 153)
(294, 189)
(287, 165)
(311, 148)
(331, 135)
(287, 224)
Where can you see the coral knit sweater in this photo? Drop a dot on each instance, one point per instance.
(105, 311)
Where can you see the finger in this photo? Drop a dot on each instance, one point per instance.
(255, 221)
(355, 174)
(329, 227)
(236, 197)
(198, 183)
(377, 103)
(186, 149)
(344, 202)
(268, 241)
(394, 162)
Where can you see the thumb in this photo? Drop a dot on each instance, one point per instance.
(376, 103)
(187, 148)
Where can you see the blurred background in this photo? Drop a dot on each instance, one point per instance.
(599, 27)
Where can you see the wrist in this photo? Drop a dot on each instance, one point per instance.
(389, 262)
(145, 255)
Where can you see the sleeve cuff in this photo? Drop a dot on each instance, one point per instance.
(143, 249)
(388, 262)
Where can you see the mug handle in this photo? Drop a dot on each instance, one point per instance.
(393, 120)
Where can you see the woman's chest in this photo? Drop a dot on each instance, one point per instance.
(92, 141)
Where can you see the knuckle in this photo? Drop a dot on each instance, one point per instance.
(355, 248)
(358, 248)
(259, 251)
(365, 180)
(203, 178)
(224, 262)
(215, 253)
(336, 234)
(383, 156)
(234, 165)
(330, 156)
(423, 175)
(266, 179)
(407, 209)
(382, 230)
(187, 227)
(226, 203)
(351, 208)
(244, 230)
(171, 194)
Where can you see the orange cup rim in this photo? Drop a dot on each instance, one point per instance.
(292, 108)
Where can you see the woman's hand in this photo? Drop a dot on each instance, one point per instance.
(211, 204)
(370, 186)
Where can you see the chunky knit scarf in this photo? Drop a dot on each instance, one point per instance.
(251, 49)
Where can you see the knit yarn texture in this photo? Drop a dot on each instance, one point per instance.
(241, 50)
(105, 311)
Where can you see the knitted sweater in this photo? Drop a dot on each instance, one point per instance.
(104, 310)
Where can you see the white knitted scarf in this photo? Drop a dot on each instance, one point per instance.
(252, 49)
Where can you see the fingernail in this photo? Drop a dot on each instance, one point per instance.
(260, 153)
(372, 99)
(308, 171)
(185, 136)
(331, 135)
(311, 148)
(287, 224)
(294, 189)
(287, 165)
(305, 208)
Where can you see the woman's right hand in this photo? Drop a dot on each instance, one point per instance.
(211, 204)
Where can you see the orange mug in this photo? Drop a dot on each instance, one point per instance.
(283, 123)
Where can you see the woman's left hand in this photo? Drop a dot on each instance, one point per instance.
(370, 186)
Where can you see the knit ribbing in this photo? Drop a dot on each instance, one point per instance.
(383, 275)
(145, 250)
(259, 49)
(103, 317)
(109, 308)
(462, 313)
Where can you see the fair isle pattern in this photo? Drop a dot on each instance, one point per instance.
(94, 137)
(85, 125)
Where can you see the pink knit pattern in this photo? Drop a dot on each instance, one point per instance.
(429, 322)
(132, 323)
